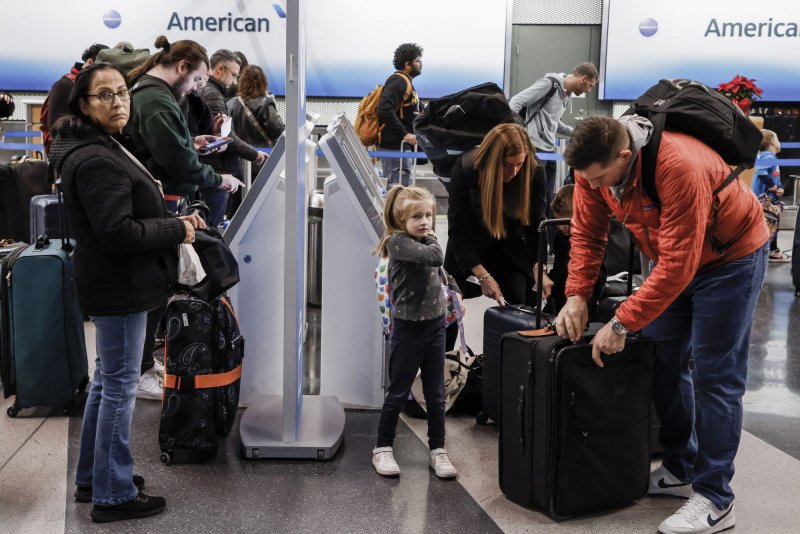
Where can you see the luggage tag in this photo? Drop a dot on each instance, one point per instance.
(548, 330)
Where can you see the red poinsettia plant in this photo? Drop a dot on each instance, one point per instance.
(741, 91)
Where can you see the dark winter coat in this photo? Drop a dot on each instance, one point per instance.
(126, 254)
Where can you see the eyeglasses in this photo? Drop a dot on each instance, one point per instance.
(107, 98)
(234, 74)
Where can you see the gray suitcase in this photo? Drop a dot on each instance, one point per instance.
(45, 217)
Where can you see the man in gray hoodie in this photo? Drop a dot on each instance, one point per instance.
(541, 106)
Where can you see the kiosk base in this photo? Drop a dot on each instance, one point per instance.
(319, 429)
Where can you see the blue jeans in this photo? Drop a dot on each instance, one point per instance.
(105, 461)
(701, 410)
(217, 201)
(415, 345)
(397, 171)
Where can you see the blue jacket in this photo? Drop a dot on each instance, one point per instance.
(767, 174)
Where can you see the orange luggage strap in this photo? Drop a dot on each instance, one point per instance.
(204, 381)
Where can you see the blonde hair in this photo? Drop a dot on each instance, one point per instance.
(395, 213)
(767, 138)
(503, 141)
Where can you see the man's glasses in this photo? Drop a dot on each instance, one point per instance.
(234, 74)
(108, 97)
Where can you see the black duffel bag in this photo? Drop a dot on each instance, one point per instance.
(453, 124)
(219, 263)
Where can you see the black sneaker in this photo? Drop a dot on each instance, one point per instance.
(85, 494)
(142, 506)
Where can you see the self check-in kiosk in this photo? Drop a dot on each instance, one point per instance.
(352, 361)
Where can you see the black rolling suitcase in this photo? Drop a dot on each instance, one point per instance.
(19, 182)
(498, 321)
(203, 354)
(574, 437)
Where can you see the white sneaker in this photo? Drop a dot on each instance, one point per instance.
(441, 465)
(698, 515)
(383, 461)
(662, 482)
(149, 388)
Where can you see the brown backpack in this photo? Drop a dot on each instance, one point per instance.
(367, 126)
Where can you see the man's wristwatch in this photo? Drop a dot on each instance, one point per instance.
(617, 327)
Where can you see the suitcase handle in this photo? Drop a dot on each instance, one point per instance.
(542, 259)
(42, 241)
(521, 417)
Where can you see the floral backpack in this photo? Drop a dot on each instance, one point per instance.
(384, 295)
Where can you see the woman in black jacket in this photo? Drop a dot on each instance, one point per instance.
(125, 264)
(497, 200)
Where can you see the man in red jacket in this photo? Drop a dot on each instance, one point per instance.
(696, 303)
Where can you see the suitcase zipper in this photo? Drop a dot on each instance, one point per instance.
(553, 424)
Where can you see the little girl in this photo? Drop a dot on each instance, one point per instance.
(417, 340)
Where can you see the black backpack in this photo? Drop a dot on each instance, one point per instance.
(453, 124)
(695, 109)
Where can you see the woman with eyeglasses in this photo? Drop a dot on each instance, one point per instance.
(125, 265)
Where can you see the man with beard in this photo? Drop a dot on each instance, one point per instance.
(159, 130)
(397, 109)
(541, 106)
(225, 69)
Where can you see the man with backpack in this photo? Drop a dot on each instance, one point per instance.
(397, 108)
(56, 105)
(541, 106)
(709, 243)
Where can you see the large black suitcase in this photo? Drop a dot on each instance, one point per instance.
(203, 354)
(19, 182)
(574, 437)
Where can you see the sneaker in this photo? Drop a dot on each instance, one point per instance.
(149, 387)
(778, 257)
(84, 494)
(662, 482)
(141, 506)
(441, 465)
(383, 461)
(698, 515)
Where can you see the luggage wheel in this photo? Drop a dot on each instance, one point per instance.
(166, 458)
(482, 418)
(12, 411)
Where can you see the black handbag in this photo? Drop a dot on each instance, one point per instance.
(219, 263)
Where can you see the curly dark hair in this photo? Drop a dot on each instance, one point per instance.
(406, 53)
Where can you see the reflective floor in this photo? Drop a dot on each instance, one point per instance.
(37, 463)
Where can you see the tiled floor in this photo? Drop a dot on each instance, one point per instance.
(37, 462)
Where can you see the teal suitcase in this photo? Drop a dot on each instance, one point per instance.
(43, 347)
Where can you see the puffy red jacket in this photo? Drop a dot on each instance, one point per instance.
(677, 236)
